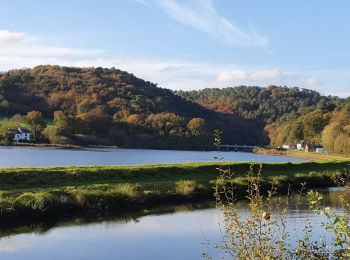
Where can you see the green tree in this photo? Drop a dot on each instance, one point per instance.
(6, 135)
(64, 122)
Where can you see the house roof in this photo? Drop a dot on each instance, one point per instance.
(22, 131)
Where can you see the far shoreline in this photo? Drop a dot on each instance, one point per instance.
(309, 156)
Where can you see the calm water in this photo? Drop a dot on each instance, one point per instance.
(36, 157)
(176, 235)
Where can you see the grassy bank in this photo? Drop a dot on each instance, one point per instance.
(311, 156)
(37, 192)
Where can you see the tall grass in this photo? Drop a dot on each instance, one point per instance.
(263, 235)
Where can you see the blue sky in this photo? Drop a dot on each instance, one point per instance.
(186, 44)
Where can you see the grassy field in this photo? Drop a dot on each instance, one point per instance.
(310, 156)
(35, 192)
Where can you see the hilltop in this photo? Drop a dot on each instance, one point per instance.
(266, 104)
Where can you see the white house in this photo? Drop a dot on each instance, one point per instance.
(320, 150)
(299, 146)
(22, 134)
(286, 146)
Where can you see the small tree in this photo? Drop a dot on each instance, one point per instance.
(36, 122)
(6, 135)
(64, 122)
(197, 126)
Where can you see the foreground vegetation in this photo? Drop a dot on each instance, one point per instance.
(37, 192)
(263, 231)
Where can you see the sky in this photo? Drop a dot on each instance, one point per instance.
(186, 45)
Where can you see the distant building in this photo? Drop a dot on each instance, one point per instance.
(22, 134)
(286, 147)
(320, 150)
(300, 147)
(307, 148)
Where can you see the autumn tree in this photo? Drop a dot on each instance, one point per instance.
(36, 123)
(197, 126)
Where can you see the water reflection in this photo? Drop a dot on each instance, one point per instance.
(176, 232)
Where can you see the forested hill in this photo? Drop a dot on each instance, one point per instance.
(78, 90)
(290, 115)
(111, 107)
(265, 104)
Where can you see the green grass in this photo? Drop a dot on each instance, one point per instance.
(310, 156)
(49, 122)
(317, 156)
(28, 192)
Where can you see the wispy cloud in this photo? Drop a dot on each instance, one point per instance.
(23, 45)
(9, 37)
(202, 15)
(246, 76)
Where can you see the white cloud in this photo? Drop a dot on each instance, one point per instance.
(202, 15)
(234, 75)
(266, 75)
(20, 45)
(240, 76)
(311, 82)
(8, 37)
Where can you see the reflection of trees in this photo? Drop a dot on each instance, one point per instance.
(41, 227)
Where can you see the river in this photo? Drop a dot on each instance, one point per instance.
(18, 156)
(176, 232)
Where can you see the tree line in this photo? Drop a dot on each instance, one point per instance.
(326, 126)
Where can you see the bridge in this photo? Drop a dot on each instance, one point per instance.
(236, 147)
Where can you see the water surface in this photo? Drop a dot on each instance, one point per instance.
(41, 157)
(178, 233)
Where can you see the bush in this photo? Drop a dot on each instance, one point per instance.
(56, 136)
(187, 187)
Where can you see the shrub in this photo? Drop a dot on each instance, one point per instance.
(187, 187)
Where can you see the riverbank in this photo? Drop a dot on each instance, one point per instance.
(310, 156)
(61, 146)
(38, 192)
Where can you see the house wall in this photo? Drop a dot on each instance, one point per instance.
(22, 137)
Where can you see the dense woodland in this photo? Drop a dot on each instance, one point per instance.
(111, 107)
(327, 127)
(98, 106)
(290, 115)
(262, 104)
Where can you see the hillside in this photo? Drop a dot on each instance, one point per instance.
(113, 107)
(290, 115)
(98, 106)
(263, 104)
